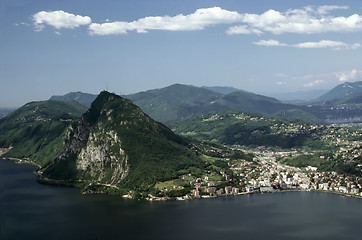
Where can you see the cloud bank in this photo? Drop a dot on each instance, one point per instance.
(303, 21)
(336, 45)
(309, 20)
(198, 20)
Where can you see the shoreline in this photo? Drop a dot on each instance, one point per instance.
(21, 161)
(43, 180)
(350, 195)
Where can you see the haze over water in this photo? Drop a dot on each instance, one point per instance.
(29, 210)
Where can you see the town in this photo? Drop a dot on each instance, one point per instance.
(265, 175)
(270, 170)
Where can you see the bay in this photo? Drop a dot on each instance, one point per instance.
(29, 210)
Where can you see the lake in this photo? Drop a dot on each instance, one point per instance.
(29, 210)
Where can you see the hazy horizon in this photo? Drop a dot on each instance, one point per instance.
(268, 94)
(52, 48)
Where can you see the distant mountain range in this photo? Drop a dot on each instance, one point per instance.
(178, 101)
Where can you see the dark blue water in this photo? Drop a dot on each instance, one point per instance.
(29, 210)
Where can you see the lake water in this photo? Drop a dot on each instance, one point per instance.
(29, 210)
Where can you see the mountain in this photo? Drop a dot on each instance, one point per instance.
(223, 90)
(341, 91)
(180, 101)
(83, 98)
(183, 101)
(253, 103)
(115, 147)
(37, 125)
(174, 102)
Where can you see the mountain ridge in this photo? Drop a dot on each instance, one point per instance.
(179, 101)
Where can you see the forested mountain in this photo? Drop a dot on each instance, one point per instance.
(116, 147)
(34, 131)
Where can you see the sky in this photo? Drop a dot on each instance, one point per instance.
(52, 47)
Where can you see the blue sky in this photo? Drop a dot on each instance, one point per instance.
(51, 47)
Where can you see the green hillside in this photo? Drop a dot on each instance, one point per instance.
(116, 144)
(35, 126)
(298, 114)
(326, 147)
(240, 128)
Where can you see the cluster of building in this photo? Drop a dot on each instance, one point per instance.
(265, 174)
(249, 177)
(334, 182)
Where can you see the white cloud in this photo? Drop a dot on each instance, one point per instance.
(336, 45)
(347, 75)
(302, 21)
(198, 20)
(270, 43)
(59, 19)
(328, 44)
(243, 29)
(314, 83)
